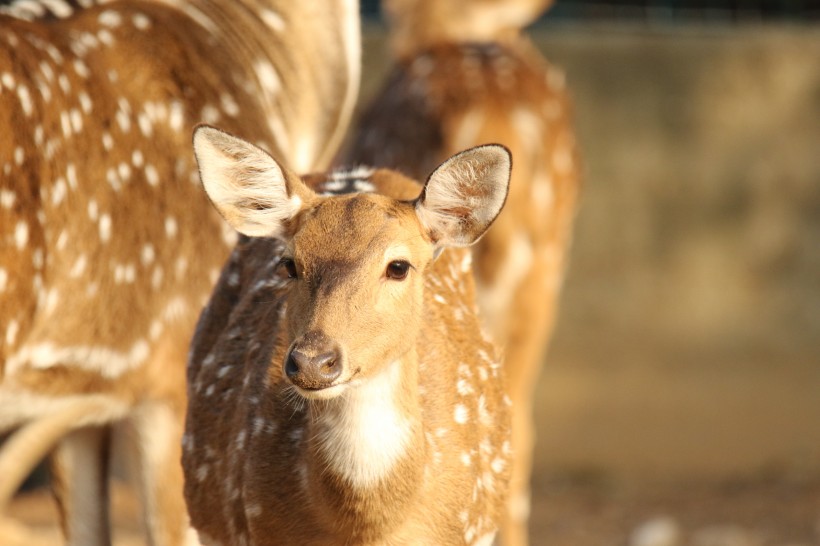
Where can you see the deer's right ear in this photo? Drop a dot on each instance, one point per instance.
(255, 194)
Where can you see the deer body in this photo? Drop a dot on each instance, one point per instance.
(464, 81)
(365, 407)
(109, 249)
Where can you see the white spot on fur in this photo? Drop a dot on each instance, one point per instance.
(79, 267)
(21, 234)
(466, 133)
(7, 198)
(210, 114)
(105, 37)
(268, 76)
(151, 175)
(85, 102)
(229, 105)
(461, 414)
(105, 227)
(137, 159)
(253, 510)
(486, 540)
(272, 19)
(147, 254)
(176, 116)
(58, 191)
(62, 240)
(93, 210)
(71, 175)
(141, 21)
(463, 387)
(81, 68)
(171, 228)
(518, 506)
(110, 18)
(25, 100)
(11, 333)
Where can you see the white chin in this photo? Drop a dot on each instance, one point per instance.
(322, 394)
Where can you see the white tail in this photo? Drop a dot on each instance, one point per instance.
(463, 81)
(109, 249)
(340, 391)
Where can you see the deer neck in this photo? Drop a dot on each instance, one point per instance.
(367, 449)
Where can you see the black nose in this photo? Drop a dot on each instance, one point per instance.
(313, 363)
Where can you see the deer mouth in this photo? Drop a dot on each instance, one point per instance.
(323, 391)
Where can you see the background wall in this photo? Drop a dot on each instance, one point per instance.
(689, 336)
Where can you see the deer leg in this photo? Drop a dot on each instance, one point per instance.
(80, 483)
(150, 440)
(514, 524)
(530, 330)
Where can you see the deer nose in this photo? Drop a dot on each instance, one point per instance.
(313, 365)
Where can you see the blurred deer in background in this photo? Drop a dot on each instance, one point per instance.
(340, 390)
(465, 75)
(109, 248)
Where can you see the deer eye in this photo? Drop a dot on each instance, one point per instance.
(397, 270)
(288, 266)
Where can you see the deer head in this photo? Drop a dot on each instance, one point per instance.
(354, 263)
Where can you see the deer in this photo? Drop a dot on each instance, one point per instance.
(465, 74)
(109, 247)
(340, 389)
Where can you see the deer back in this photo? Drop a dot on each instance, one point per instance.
(110, 247)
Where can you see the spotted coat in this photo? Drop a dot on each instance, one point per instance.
(108, 246)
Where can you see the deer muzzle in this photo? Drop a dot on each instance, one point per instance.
(314, 362)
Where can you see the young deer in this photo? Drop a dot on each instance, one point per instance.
(109, 249)
(340, 391)
(465, 75)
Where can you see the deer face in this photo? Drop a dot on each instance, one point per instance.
(354, 264)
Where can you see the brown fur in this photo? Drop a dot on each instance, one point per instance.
(453, 88)
(255, 469)
(108, 245)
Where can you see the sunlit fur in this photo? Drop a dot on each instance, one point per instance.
(109, 246)
(378, 454)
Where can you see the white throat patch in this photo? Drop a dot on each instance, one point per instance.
(364, 433)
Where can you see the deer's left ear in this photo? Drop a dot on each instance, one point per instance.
(464, 195)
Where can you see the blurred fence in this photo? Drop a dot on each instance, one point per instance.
(688, 342)
(671, 11)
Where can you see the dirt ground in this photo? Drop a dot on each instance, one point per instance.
(578, 511)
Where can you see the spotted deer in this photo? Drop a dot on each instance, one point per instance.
(340, 391)
(109, 248)
(466, 75)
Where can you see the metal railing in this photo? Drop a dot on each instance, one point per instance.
(671, 11)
